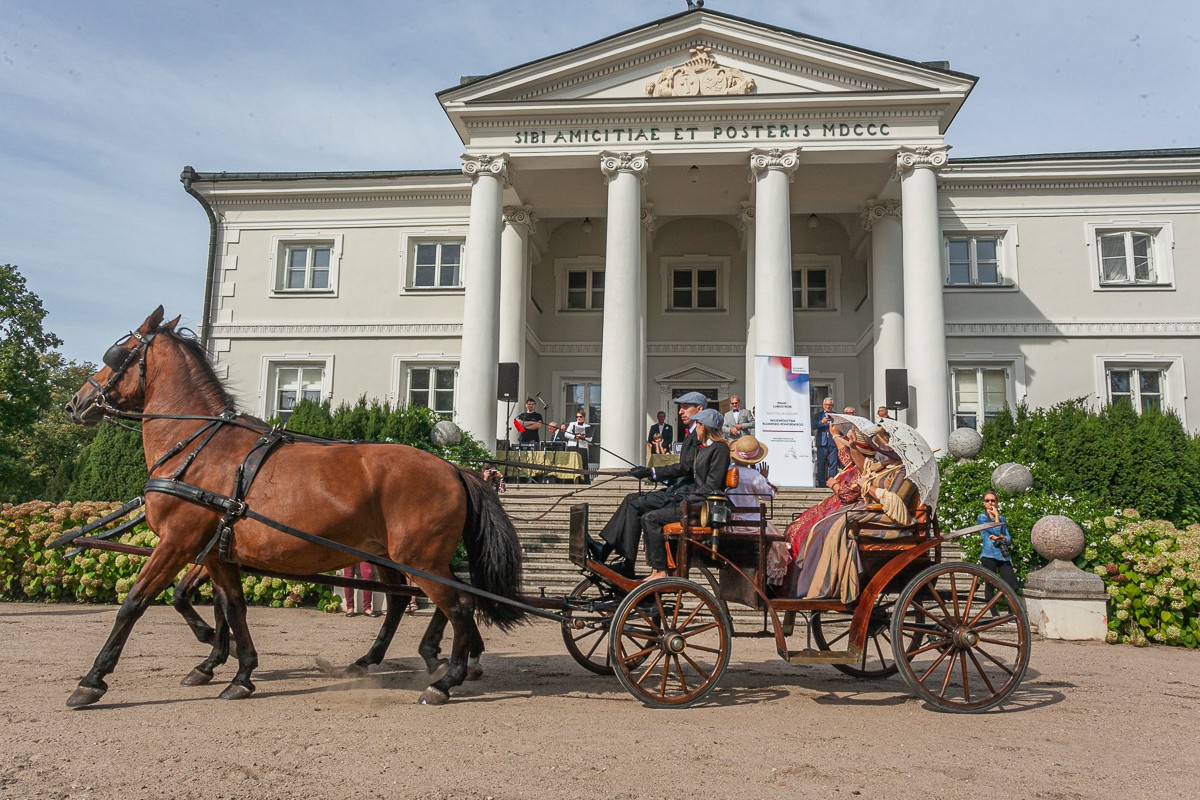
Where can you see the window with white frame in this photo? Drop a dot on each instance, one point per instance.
(695, 288)
(1131, 255)
(1141, 387)
(292, 382)
(305, 267)
(584, 290)
(980, 393)
(1126, 257)
(973, 260)
(811, 289)
(437, 265)
(433, 387)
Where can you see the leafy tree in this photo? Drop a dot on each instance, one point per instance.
(38, 461)
(24, 373)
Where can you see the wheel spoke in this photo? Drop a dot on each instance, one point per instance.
(708, 626)
(934, 646)
(595, 645)
(996, 622)
(970, 596)
(675, 611)
(682, 679)
(690, 617)
(944, 621)
(934, 665)
(986, 607)
(878, 649)
(994, 660)
(666, 671)
(703, 649)
(638, 655)
(649, 667)
(701, 671)
(962, 660)
(982, 671)
(998, 642)
(954, 594)
(654, 626)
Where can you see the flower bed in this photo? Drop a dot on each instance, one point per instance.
(29, 571)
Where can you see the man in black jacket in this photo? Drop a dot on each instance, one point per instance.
(623, 531)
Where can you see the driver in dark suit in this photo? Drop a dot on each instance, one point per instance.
(623, 531)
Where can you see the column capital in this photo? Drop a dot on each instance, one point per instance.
(877, 210)
(521, 215)
(611, 164)
(785, 161)
(498, 166)
(924, 157)
(746, 213)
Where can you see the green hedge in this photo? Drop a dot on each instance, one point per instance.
(1152, 573)
(30, 571)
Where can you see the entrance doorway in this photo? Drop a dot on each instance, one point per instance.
(584, 395)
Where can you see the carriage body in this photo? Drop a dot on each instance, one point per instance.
(914, 615)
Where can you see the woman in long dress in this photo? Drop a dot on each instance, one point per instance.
(845, 491)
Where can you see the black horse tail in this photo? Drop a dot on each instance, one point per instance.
(493, 552)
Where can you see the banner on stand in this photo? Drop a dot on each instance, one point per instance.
(782, 420)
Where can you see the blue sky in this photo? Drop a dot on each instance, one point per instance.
(102, 104)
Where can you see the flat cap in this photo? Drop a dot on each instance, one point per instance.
(692, 399)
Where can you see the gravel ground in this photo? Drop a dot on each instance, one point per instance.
(1090, 721)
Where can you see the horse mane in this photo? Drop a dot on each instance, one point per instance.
(210, 384)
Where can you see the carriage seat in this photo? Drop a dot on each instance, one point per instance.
(869, 533)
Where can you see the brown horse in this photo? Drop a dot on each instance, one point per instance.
(389, 501)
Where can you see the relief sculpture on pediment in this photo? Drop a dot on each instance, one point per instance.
(699, 75)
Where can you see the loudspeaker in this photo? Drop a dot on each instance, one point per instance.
(896, 385)
(507, 378)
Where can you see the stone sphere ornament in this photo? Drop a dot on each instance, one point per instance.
(446, 434)
(965, 443)
(1056, 537)
(1012, 478)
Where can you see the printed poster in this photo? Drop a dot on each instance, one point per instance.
(782, 420)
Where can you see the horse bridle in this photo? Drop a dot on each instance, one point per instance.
(119, 360)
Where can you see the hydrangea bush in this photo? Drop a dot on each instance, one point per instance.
(1151, 570)
(31, 571)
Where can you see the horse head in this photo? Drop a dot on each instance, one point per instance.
(118, 387)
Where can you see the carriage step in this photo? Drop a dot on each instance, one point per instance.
(810, 656)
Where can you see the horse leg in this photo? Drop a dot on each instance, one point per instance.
(203, 672)
(461, 613)
(155, 576)
(431, 643)
(192, 579)
(430, 648)
(227, 586)
(396, 606)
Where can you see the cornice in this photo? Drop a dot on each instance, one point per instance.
(1093, 329)
(663, 117)
(964, 184)
(337, 331)
(307, 199)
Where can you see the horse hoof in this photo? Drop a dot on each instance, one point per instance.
(355, 671)
(433, 696)
(84, 696)
(237, 691)
(196, 677)
(474, 673)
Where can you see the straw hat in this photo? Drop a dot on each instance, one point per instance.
(859, 441)
(748, 451)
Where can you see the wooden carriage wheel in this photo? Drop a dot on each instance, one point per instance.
(589, 646)
(965, 655)
(670, 642)
(831, 631)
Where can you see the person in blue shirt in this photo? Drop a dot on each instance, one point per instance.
(996, 553)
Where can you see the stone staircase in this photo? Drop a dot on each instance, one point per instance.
(544, 539)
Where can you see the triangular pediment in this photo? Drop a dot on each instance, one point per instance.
(703, 54)
(694, 375)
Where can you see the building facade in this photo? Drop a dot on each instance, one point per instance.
(644, 215)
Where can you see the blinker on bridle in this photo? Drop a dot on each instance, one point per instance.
(119, 360)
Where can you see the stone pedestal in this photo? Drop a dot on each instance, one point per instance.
(1063, 601)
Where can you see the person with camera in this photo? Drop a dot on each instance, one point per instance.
(996, 554)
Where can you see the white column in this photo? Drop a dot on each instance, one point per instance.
(622, 358)
(882, 219)
(925, 317)
(772, 172)
(747, 229)
(649, 221)
(519, 223)
(481, 303)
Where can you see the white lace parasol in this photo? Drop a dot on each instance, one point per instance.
(918, 459)
(862, 423)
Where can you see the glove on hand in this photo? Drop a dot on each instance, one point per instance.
(641, 473)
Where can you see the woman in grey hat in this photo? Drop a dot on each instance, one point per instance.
(708, 474)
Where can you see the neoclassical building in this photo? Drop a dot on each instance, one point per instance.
(642, 216)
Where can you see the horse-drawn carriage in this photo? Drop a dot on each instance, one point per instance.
(303, 507)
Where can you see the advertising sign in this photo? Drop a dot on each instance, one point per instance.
(782, 420)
